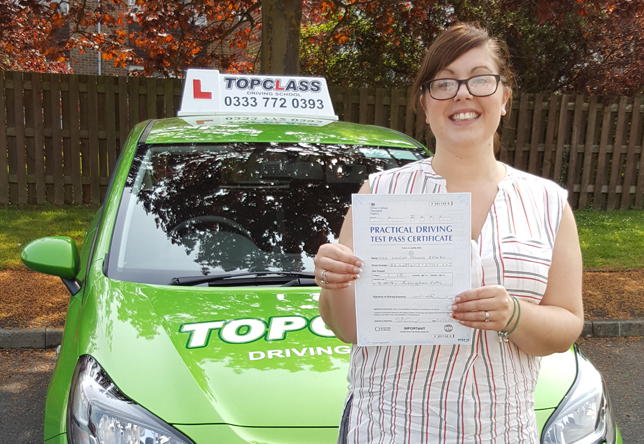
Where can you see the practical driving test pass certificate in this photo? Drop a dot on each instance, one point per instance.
(416, 254)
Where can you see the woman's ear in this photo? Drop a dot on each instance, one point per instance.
(421, 99)
(506, 97)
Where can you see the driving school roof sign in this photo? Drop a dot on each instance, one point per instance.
(209, 92)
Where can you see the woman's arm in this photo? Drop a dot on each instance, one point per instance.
(554, 324)
(337, 296)
(558, 320)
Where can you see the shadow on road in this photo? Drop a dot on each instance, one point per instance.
(24, 377)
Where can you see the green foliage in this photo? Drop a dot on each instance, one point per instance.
(611, 240)
(21, 225)
(566, 46)
(545, 55)
(353, 50)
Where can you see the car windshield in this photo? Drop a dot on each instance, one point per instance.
(203, 210)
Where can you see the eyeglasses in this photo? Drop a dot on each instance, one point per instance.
(478, 86)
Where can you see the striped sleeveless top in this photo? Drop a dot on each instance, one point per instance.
(478, 393)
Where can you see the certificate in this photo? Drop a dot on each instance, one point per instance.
(416, 253)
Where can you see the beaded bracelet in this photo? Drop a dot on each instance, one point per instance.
(503, 335)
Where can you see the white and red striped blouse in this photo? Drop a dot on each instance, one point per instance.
(479, 393)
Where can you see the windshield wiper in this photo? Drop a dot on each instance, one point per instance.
(256, 186)
(250, 278)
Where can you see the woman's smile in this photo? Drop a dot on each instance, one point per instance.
(462, 116)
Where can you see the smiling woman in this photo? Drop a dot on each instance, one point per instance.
(525, 272)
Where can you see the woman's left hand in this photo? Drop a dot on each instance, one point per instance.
(485, 308)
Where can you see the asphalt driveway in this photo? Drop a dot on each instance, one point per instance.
(25, 374)
(24, 377)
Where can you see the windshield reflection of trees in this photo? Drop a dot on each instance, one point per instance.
(288, 199)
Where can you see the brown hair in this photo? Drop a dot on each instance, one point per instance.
(453, 43)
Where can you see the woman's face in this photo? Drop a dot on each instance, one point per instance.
(466, 121)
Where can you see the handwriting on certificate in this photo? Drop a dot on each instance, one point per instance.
(416, 253)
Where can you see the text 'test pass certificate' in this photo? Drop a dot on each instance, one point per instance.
(416, 254)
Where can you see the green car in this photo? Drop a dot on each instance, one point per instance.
(193, 316)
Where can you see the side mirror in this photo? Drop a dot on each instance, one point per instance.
(55, 255)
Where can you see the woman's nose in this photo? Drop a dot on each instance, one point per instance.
(462, 91)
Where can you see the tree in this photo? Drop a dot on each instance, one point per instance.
(575, 46)
(163, 37)
(24, 31)
(377, 44)
(167, 37)
(581, 47)
(616, 36)
(281, 22)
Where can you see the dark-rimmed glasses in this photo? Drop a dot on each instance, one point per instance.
(478, 86)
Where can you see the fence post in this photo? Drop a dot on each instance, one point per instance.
(75, 149)
(94, 152)
(124, 125)
(549, 146)
(394, 114)
(588, 152)
(561, 135)
(19, 118)
(56, 140)
(521, 132)
(630, 154)
(39, 139)
(364, 105)
(534, 135)
(4, 175)
(168, 97)
(601, 159)
(615, 167)
(379, 110)
(110, 126)
(639, 192)
(573, 155)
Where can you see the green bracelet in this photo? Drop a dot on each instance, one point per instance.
(503, 335)
(514, 304)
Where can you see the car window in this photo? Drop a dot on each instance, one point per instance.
(190, 210)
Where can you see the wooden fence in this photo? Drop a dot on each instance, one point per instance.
(60, 135)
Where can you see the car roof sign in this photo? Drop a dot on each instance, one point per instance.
(208, 92)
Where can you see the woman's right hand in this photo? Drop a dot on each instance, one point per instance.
(336, 266)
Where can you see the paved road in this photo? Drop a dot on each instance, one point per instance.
(620, 361)
(24, 376)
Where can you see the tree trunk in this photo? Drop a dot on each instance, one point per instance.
(281, 22)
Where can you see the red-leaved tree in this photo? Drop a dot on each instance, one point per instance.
(576, 46)
(24, 39)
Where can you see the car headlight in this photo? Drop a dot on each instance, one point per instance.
(585, 415)
(99, 413)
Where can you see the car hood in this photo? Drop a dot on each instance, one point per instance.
(556, 376)
(254, 356)
(242, 356)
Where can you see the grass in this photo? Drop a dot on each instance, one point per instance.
(609, 240)
(20, 225)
